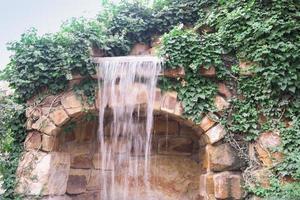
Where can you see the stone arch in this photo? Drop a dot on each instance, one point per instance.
(219, 162)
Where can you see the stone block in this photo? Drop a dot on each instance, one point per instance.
(44, 125)
(81, 172)
(220, 103)
(175, 146)
(178, 109)
(137, 94)
(188, 131)
(245, 67)
(208, 72)
(222, 158)
(94, 182)
(207, 186)
(42, 173)
(83, 161)
(76, 184)
(223, 90)
(49, 143)
(63, 197)
(262, 177)
(157, 100)
(206, 123)
(98, 100)
(169, 101)
(59, 116)
(215, 134)
(228, 185)
(79, 148)
(72, 104)
(93, 195)
(33, 140)
(174, 73)
(164, 126)
(265, 146)
(140, 49)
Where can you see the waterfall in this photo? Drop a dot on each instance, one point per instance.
(127, 92)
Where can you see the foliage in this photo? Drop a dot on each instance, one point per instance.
(12, 131)
(186, 49)
(264, 33)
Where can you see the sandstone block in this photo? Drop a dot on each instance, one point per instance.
(222, 158)
(94, 182)
(98, 100)
(174, 73)
(43, 174)
(262, 177)
(223, 90)
(206, 123)
(265, 145)
(163, 126)
(157, 100)
(80, 172)
(140, 49)
(76, 184)
(208, 72)
(245, 67)
(169, 102)
(207, 186)
(64, 197)
(175, 146)
(59, 116)
(220, 103)
(215, 134)
(33, 140)
(72, 104)
(81, 162)
(44, 125)
(93, 195)
(49, 143)
(188, 131)
(228, 185)
(178, 109)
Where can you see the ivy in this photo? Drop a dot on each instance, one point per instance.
(12, 131)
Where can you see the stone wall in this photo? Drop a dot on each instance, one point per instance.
(192, 161)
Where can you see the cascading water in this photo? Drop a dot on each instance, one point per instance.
(127, 91)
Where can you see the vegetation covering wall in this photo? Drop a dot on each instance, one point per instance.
(196, 33)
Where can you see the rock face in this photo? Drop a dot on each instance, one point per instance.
(42, 173)
(33, 140)
(222, 158)
(171, 178)
(228, 185)
(179, 149)
(76, 184)
(224, 185)
(265, 145)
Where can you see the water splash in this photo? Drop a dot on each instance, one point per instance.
(127, 91)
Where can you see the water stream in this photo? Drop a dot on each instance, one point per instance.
(127, 91)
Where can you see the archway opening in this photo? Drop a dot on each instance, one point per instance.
(176, 158)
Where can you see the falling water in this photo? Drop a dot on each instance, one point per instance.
(127, 91)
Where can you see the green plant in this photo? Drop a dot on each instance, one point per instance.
(12, 131)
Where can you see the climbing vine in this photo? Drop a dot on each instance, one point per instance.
(12, 132)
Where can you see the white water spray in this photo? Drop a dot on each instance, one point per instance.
(127, 91)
